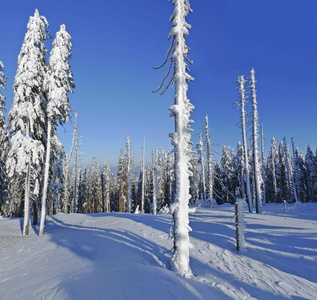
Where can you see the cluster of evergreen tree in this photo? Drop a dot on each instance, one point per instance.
(102, 191)
(31, 152)
(285, 176)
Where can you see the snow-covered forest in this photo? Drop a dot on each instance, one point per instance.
(175, 210)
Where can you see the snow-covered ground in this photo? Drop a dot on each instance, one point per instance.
(125, 256)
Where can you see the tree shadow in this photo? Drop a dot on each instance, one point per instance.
(125, 265)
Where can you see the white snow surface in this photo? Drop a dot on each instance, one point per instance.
(125, 256)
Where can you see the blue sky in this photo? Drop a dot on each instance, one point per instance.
(116, 44)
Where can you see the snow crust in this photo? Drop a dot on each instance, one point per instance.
(125, 256)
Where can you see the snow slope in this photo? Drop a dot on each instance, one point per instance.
(125, 256)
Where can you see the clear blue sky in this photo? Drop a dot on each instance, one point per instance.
(116, 44)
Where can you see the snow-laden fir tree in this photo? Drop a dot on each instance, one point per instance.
(241, 102)
(194, 180)
(83, 190)
(59, 82)
(27, 117)
(289, 170)
(95, 193)
(170, 178)
(77, 148)
(271, 181)
(122, 182)
(106, 187)
(129, 169)
(301, 170)
(161, 179)
(148, 188)
(154, 170)
(66, 184)
(209, 184)
(4, 147)
(181, 110)
(143, 177)
(255, 139)
(200, 150)
(311, 173)
(295, 171)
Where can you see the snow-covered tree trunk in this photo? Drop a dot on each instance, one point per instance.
(255, 137)
(26, 220)
(241, 81)
(143, 178)
(209, 164)
(181, 111)
(46, 174)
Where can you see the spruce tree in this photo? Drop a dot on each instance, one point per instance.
(26, 118)
(58, 83)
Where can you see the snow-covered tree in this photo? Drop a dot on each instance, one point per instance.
(271, 171)
(255, 138)
(27, 117)
(154, 170)
(170, 178)
(122, 182)
(59, 82)
(241, 103)
(143, 177)
(129, 169)
(106, 187)
(95, 195)
(311, 173)
(4, 147)
(83, 190)
(181, 110)
(200, 150)
(295, 172)
(301, 171)
(209, 184)
(194, 180)
(148, 188)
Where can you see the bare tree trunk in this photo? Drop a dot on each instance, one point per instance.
(256, 168)
(241, 82)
